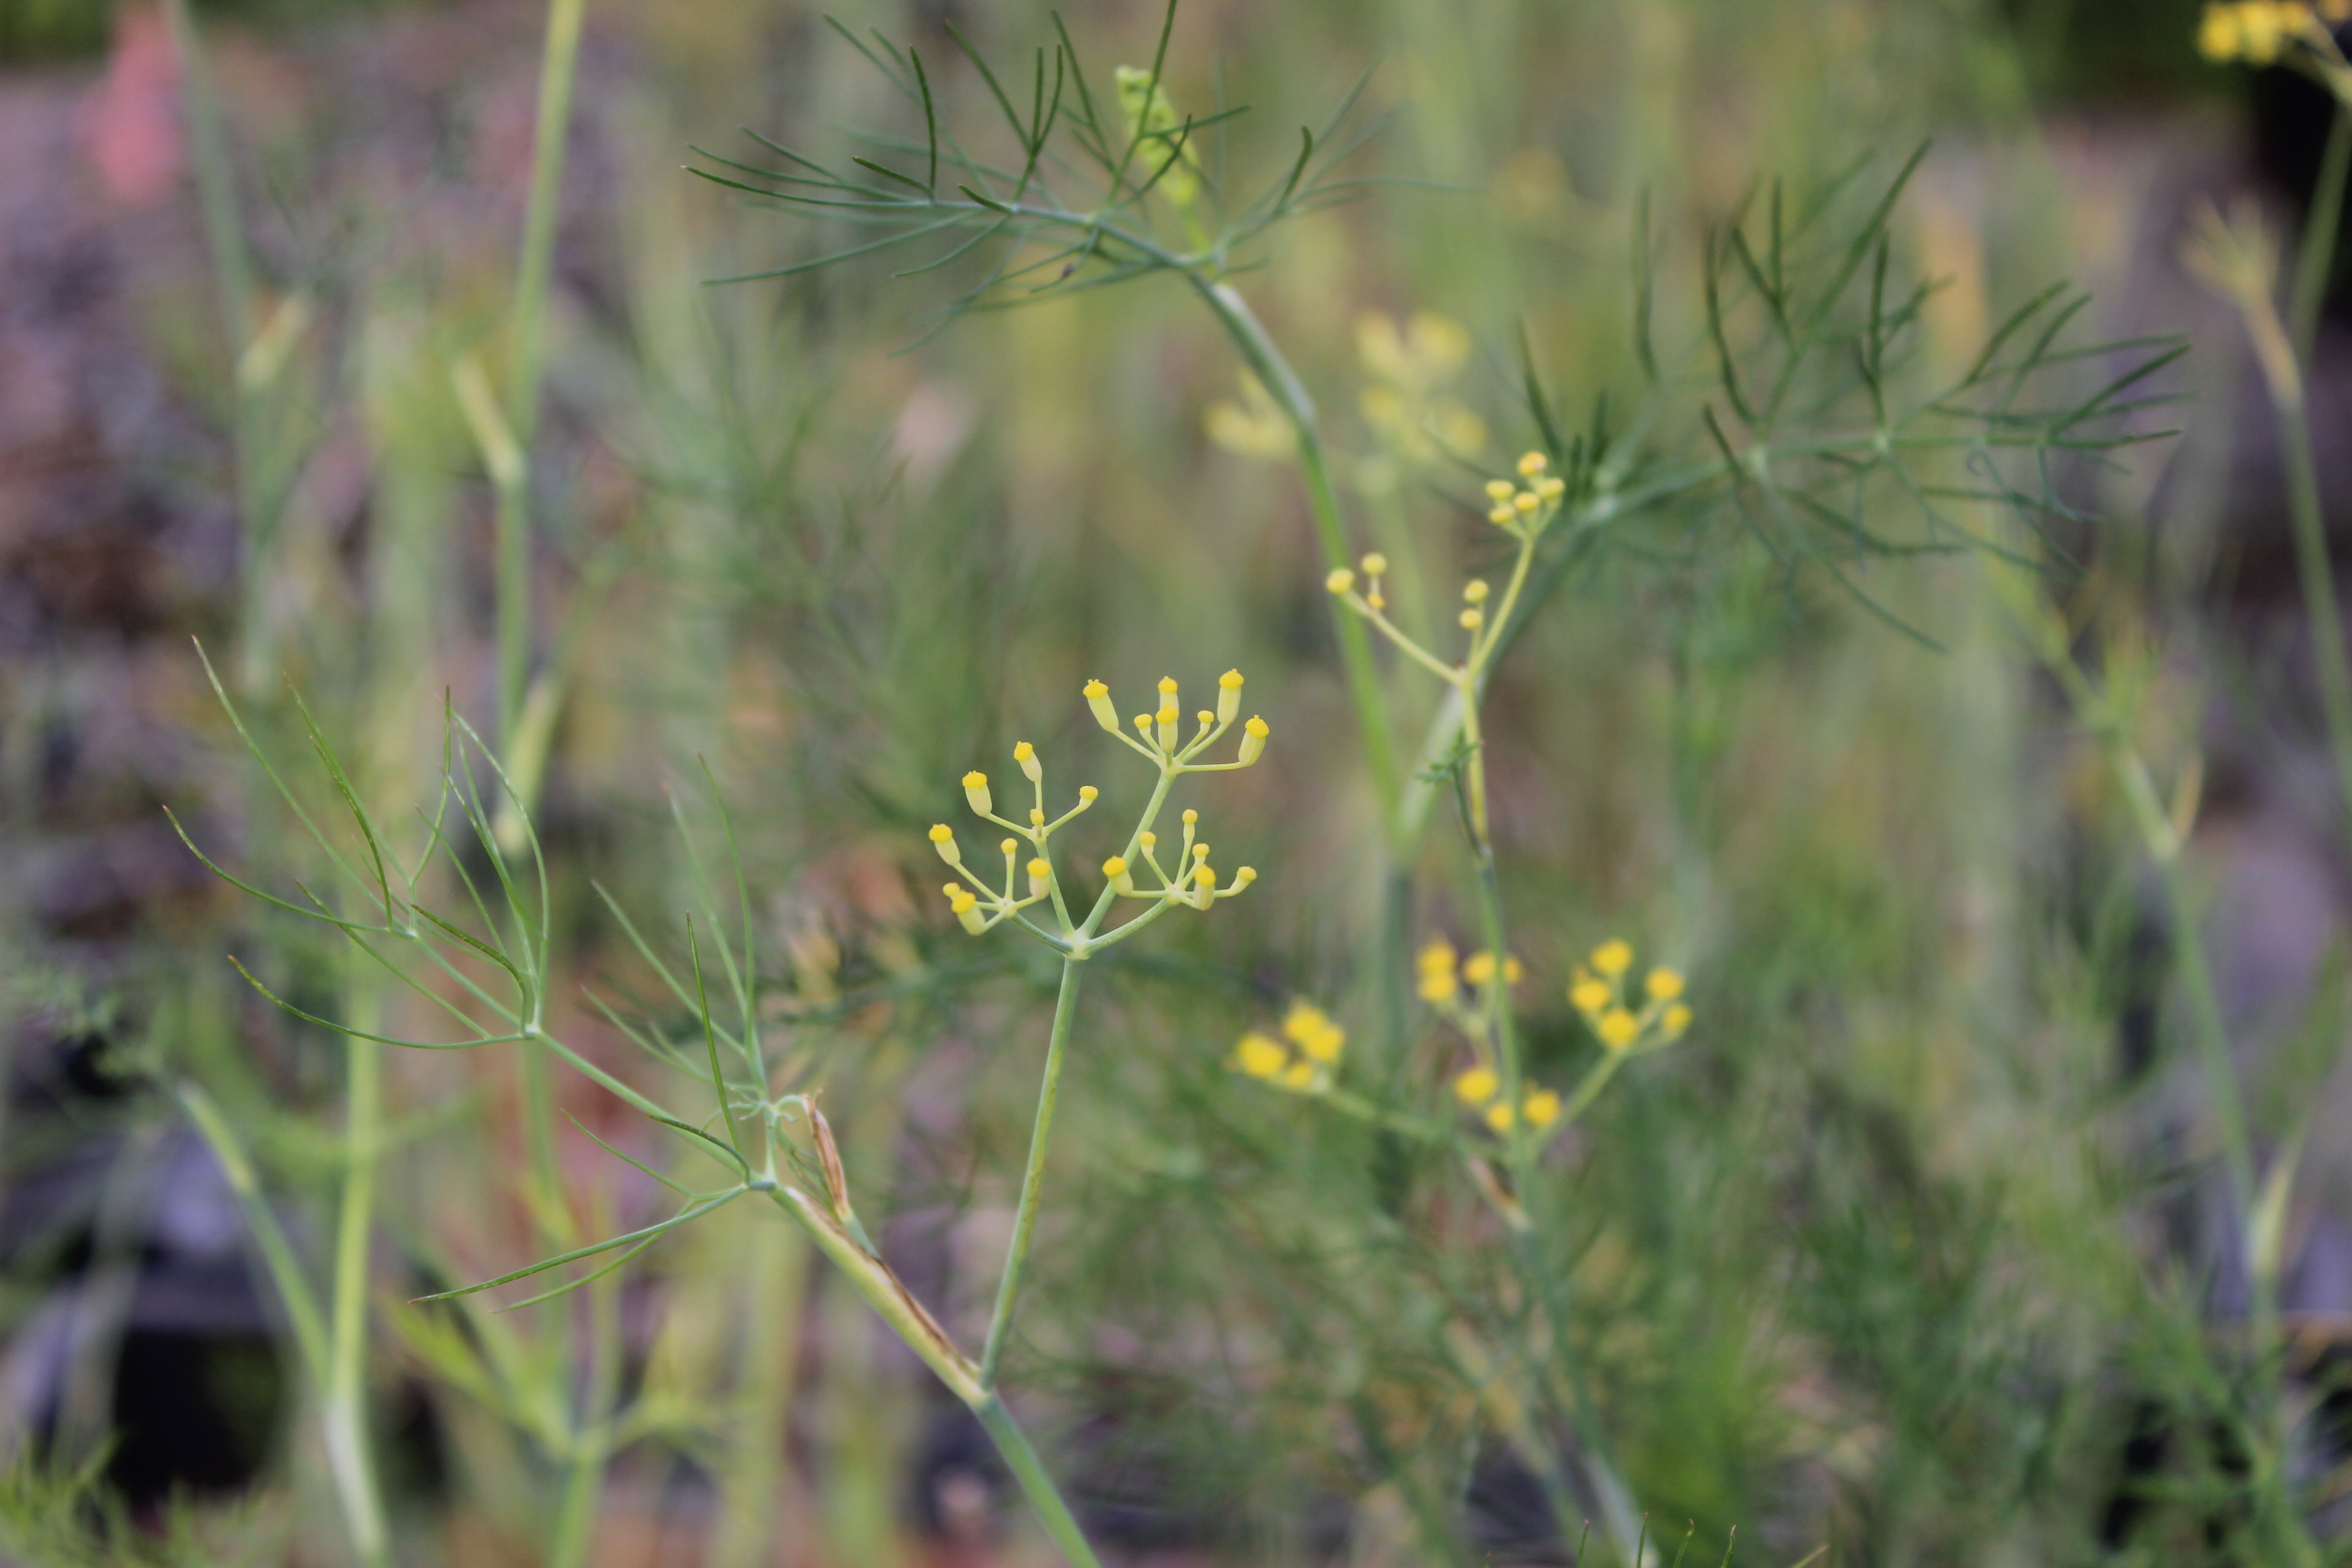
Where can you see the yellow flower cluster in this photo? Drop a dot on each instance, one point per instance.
(1303, 1060)
(1622, 1022)
(1478, 1089)
(1194, 881)
(1441, 974)
(2258, 31)
(1524, 509)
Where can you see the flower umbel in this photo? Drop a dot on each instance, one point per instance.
(1189, 880)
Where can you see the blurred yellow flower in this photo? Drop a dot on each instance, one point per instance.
(1254, 427)
(1406, 404)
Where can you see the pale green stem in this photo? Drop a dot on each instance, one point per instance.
(1043, 1496)
(1032, 1181)
(349, 1449)
(2315, 569)
(2314, 259)
(558, 66)
(1290, 395)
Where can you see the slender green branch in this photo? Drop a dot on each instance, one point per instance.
(1032, 1181)
(1035, 1483)
(2315, 256)
(347, 1447)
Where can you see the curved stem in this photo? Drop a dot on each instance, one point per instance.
(2315, 256)
(1032, 1181)
(1290, 395)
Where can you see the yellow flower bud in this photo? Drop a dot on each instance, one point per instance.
(1026, 755)
(1098, 698)
(1498, 489)
(1041, 875)
(1441, 986)
(944, 839)
(1229, 696)
(1087, 794)
(1258, 1056)
(1007, 847)
(1541, 1109)
(1036, 817)
(1340, 580)
(967, 913)
(1167, 718)
(1147, 839)
(1551, 487)
(1499, 1118)
(1525, 502)
(1674, 1020)
(1374, 564)
(1501, 514)
(1590, 995)
(1437, 957)
(1472, 620)
(1617, 1028)
(1613, 957)
(1245, 877)
(1167, 691)
(1475, 590)
(1299, 1075)
(1479, 969)
(1477, 1086)
(1254, 734)
(1115, 872)
(1531, 465)
(975, 789)
(1664, 985)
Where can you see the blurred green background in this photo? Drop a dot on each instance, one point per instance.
(1911, 1251)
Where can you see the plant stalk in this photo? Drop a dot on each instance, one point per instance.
(350, 1455)
(1033, 1180)
(558, 67)
(1035, 1484)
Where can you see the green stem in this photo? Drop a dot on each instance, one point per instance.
(349, 1452)
(1032, 1181)
(558, 66)
(1043, 1496)
(2315, 256)
(1290, 395)
(2315, 569)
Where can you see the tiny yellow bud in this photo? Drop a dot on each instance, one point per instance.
(1143, 725)
(1087, 794)
(1199, 852)
(1168, 686)
(1475, 590)
(1323, 1045)
(1041, 877)
(1098, 698)
(967, 915)
(1675, 1019)
(1613, 957)
(1191, 815)
(1531, 465)
(1244, 876)
(1340, 580)
(1502, 513)
(1478, 969)
(1167, 718)
(975, 789)
(961, 901)
(1477, 1086)
(1541, 1107)
(943, 840)
(1204, 877)
(1512, 971)
(1617, 1028)
(1374, 564)
(1440, 987)
(1229, 696)
(1115, 872)
(1026, 755)
(1499, 1118)
(1551, 487)
(1500, 490)
(1472, 620)
(1231, 680)
(1436, 958)
(1036, 817)
(1147, 839)
(1525, 502)
(1298, 1075)
(942, 833)
(1664, 985)
(1258, 1056)
(1008, 847)
(1204, 718)
(1590, 995)
(1304, 1018)
(1254, 734)
(952, 888)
